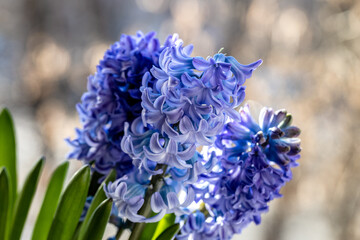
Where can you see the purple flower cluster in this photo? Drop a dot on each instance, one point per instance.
(113, 98)
(255, 163)
(149, 110)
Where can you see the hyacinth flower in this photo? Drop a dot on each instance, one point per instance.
(198, 100)
(174, 118)
(168, 123)
(113, 98)
(128, 194)
(255, 163)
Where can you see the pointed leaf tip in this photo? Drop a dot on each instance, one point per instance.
(4, 201)
(8, 154)
(95, 228)
(167, 221)
(70, 206)
(169, 233)
(99, 197)
(50, 202)
(22, 204)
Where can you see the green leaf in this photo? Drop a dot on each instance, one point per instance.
(98, 198)
(50, 202)
(77, 231)
(8, 157)
(71, 206)
(4, 201)
(169, 233)
(149, 229)
(167, 221)
(96, 226)
(24, 200)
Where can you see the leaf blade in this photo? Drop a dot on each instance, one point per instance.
(167, 221)
(149, 229)
(95, 228)
(24, 200)
(8, 159)
(4, 201)
(49, 204)
(169, 233)
(70, 206)
(99, 197)
(8, 148)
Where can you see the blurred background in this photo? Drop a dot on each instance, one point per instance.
(311, 53)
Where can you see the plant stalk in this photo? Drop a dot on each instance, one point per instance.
(119, 233)
(155, 184)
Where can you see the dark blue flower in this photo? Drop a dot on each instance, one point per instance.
(200, 165)
(149, 109)
(166, 200)
(194, 225)
(273, 136)
(255, 162)
(189, 99)
(148, 148)
(128, 195)
(113, 98)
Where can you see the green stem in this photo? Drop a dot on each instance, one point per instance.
(155, 184)
(119, 232)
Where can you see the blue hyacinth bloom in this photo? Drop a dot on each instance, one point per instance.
(128, 194)
(153, 109)
(189, 99)
(255, 162)
(113, 98)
